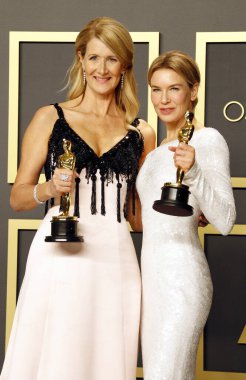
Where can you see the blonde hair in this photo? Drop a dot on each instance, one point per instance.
(118, 39)
(182, 64)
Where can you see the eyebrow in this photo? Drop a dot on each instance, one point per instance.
(110, 56)
(171, 85)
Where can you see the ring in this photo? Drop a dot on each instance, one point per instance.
(64, 177)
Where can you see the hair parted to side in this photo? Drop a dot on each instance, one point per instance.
(179, 62)
(117, 38)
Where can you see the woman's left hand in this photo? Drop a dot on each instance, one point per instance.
(202, 221)
(184, 156)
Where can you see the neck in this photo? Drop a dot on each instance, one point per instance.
(173, 129)
(99, 105)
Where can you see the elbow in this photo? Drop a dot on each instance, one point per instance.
(15, 203)
(225, 230)
(16, 206)
(230, 221)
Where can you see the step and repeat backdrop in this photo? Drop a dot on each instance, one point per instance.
(38, 62)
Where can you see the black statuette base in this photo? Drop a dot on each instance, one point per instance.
(64, 230)
(174, 201)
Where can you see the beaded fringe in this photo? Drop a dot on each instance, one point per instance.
(76, 201)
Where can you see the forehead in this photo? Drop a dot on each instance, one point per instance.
(96, 46)
(166, 77)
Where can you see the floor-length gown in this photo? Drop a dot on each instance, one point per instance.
(78, 311)
(176, 282)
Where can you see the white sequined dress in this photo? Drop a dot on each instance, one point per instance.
(177, 287)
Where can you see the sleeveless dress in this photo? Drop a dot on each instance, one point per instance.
(176, 282)
(77, 316)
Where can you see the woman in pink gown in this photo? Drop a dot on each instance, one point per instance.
(77, 316)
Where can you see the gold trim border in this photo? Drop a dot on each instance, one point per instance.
(242, 338)
(202, 38)
(14, 225)
(15, 38)
(238, 229)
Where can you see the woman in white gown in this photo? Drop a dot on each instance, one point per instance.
(176, 282)
(78, 311)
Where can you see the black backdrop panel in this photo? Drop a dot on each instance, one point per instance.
(225, 82)
(227, 261)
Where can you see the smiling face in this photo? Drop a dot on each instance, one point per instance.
(171, 96)
(102, 68)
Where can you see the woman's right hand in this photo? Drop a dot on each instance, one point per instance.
(184, 156)
(62, 182)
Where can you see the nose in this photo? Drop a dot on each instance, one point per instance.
(164, 97)
(102, 67)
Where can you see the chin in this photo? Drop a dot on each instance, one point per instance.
(172, 119)
(167, 118)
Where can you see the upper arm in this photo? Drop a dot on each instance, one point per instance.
(213, 156)
(149, 138)
(35, 146)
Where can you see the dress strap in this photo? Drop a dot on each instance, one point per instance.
(59, 111)
(135, 123)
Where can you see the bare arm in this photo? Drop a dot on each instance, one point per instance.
(33, 157)
(149, 144)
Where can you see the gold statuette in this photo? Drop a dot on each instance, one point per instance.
(174, 197)
(66, 160)
(63, 226)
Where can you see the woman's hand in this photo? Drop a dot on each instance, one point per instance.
(184, 156)
(202, 221)
(62, 182)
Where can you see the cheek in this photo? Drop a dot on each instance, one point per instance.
(155, 98)
(115, 69)
(183, 99)
(88, 67)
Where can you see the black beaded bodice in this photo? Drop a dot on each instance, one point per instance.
(121, 161)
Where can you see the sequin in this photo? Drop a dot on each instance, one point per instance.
(177, 287)
(120, 161)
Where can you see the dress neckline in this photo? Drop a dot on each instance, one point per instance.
(174, 140)
(115, 146)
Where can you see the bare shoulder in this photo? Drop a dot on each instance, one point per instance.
(43, 119)
(146, 130)
(46, 113)
(149, 136)
(71, 103)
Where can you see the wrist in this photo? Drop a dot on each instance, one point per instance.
(50, 189)
(36, 194)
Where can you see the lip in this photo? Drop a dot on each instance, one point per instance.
(166, 111)
(102, 79)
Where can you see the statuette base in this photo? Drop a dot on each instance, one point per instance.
(174, 200)
(64, 229)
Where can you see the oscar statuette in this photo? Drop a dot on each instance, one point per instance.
(174, 197)
(63, 226)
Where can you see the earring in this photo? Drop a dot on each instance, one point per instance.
(84, 78)
(122, 81)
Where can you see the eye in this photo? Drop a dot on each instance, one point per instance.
(93, 57)
(156, 89)
(113, 59)
(175, 88)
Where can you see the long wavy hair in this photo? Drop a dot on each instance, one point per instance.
(182, 64)
(118, 39)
